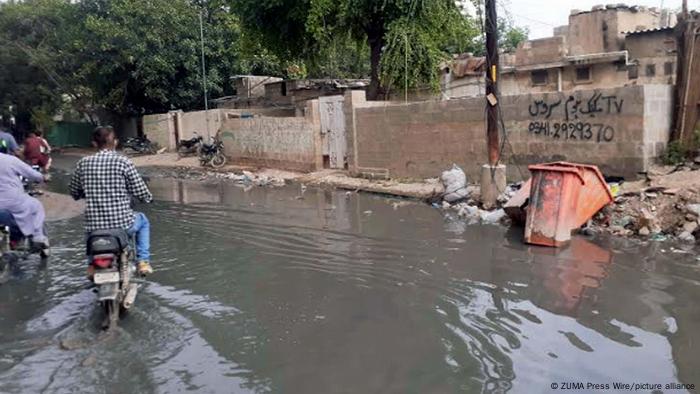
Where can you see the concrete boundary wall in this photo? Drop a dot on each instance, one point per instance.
(621, 130)
(160, 128)
(290, 143)
(169, 128)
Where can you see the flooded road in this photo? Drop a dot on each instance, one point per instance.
(275, 290)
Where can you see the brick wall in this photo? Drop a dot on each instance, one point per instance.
(614, 129)
(160, 128)
(291, 143)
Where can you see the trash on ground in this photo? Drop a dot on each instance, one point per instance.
(515, 207)
(493, 217)
(455, 182)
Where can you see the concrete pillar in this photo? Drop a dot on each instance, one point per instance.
(353, 99)
(313, 116)
(174, 119)
(493, 183)
(559, 81)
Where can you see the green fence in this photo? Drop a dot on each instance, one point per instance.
(64, 134)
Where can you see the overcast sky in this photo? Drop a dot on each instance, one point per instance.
(541, 16)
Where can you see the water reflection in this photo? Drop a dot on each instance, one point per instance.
(320, 291)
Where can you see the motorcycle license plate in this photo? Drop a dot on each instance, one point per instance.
(106, 277)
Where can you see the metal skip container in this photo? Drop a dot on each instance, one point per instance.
(551, 213)
(594, 194)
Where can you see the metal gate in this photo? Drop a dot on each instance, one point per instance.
(333, 131)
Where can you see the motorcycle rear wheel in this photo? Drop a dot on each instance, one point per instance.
(111, 314)
(183, 152)
(218, 161)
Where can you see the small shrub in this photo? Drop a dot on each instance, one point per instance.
(676, 153)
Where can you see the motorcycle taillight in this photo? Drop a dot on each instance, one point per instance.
(103, 260)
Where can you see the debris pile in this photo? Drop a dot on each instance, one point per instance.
(249, 178)
(473, 214)
(463, 198)
(654, 213)
(662, 207)
(455, 182)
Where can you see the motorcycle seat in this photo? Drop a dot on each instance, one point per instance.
(107, 241)
(8, 220)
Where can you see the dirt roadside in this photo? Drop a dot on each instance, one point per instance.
(188, 167)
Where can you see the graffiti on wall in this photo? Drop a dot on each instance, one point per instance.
(579, 118)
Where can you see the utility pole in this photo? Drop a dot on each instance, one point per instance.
(683, 32)
(493, 175)
(204, 74)
(492, 81)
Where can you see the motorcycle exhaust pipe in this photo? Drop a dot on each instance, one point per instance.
(130, 296)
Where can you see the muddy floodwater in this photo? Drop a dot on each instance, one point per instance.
(275, 290)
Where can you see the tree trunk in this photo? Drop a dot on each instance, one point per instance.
(375, 39)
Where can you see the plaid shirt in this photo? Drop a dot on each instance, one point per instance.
(107, 181)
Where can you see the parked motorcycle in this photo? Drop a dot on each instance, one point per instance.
(111, 253)
(212, 154)
(139, 145)
(190, 147)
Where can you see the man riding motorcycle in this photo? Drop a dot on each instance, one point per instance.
(27, 212)
(36, 151)
(8, 144)
(107, 181)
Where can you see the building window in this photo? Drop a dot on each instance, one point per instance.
(651, 70)
(539, 77)
(283, 88)
(633, 72)
(668, 68)
(583, 74)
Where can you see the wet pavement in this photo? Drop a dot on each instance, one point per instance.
(275, 290)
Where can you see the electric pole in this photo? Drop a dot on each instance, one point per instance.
(204, 74)
(493, 174)
(492, 81)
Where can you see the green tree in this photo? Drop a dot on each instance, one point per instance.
(30, 79)
(144, 56)
(125, 57)
(303, 28)
(512, 36)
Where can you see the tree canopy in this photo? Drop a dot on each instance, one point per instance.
(133, 57)
(405, 40)
(126, 57)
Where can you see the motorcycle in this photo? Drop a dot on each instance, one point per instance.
(30, 187)
(111, 254)
(191, 146)
(14, 245)
(212, 153)
(139, 145)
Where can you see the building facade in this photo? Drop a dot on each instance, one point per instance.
(611, 46)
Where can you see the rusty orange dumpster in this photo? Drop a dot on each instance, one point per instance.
(554, 196)
(595, 193)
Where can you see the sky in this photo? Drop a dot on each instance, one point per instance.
(541, 16)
